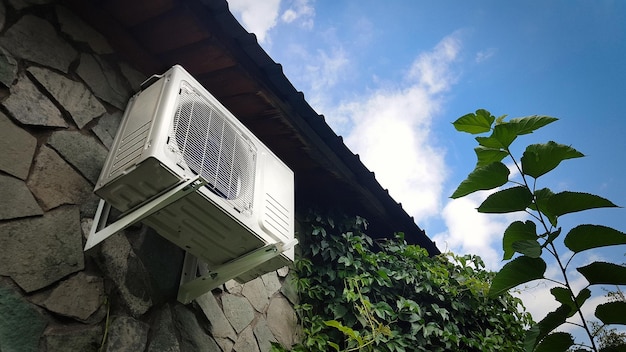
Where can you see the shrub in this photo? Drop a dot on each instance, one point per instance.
(387, 295)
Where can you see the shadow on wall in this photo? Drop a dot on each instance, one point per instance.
(62, 93)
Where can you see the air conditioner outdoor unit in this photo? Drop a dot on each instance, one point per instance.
(185, 166)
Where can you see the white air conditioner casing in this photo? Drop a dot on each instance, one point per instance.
(174, 130)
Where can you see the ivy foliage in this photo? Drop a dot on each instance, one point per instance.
(387, 295)
(532, 240)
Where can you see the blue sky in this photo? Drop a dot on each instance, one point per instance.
(391, 76)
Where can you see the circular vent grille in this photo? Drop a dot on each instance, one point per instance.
(212, 147)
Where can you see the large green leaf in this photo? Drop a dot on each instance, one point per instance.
(570, 202)
(502, 136)
(585, 237)
(517, 231)
(483, 178)
(555, 342)
(346, 330)
(604, 273)
(507, 201)
(489, 142)
(487, 156)
(564, 296)
(531, 337)
(539, 159)
(516, 272)
(541, 204)
(479, 122)
(582, 297)
(529, 124)
(612, 312)
(505, 133)
(540, 330)
(530, 248)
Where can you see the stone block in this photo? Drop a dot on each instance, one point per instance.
(79, 337)
(256, 294)
(134, 77)
(73, 96)
(220, 326)
(264, 336)
(271, 282)
(21, 325)
(77, 297)
(283, 272)
(17, 201)
(118, 261)
(106, 128)
(225, 344)
(30, 107)
(238, 311)
(282, 321)
(39, 251)
(246, 342)
(127, 335)
(8, 65)
(163, 333)
(35, 39)
(289, 290)
(105, 82)
(233, 287)
(55, 183)
(80, 31)
(192, 336)
(18, 148)
(81, 151)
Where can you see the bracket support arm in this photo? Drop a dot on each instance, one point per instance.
(101, 231)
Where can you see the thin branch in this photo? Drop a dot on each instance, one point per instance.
(555, 281)
(578, 308)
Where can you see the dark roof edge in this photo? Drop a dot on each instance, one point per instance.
(295, 98)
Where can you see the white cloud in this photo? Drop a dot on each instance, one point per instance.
(301, 10)
(260, 17)
(431, 70)
(257, 17)
(391, 131)
(325, 70)
(320, 71)
(471, 232)
(484, 55)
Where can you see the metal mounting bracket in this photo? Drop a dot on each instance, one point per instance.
(191, 286)
(101, 231)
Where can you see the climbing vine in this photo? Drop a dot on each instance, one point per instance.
(387, 295)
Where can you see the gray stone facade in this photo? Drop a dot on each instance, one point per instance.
(62, 95)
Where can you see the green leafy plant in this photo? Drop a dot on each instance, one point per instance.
(534, 239)
(387, 295)
(610, 338)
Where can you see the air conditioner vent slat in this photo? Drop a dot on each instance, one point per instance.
(276, 216)
(130, 148)
(214, 148)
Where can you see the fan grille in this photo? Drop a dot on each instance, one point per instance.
(212, 147)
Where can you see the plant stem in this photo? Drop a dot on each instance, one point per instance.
(552, 250)
(571, 292)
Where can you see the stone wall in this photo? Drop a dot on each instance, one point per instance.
(62, 93)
